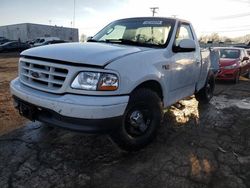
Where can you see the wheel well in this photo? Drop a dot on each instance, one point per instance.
(153, 85)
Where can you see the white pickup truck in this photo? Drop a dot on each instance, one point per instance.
(118, 82)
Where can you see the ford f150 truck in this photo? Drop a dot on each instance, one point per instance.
(118, 82)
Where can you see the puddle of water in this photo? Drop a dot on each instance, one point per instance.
(244, 104)
(221, 102)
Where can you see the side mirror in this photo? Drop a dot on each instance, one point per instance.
(185, 45)
(89, 38)
(245, 58)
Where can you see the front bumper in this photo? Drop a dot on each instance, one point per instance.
(225, 74)
(75, 112)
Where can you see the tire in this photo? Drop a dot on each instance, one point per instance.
(237, 78)
(141, 121)
(206, 93)
(248, 74)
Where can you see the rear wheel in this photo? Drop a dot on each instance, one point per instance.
(141, 121)
(206, 93)
(248, 74)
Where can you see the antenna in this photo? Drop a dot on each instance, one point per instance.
(154, 10)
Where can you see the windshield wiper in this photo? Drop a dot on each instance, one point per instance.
(122, 41)
(92, 40)
(131, 42)
(107, 40)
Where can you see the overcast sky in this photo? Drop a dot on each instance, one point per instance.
(226, 17)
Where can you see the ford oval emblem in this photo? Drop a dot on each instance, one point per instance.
(35, 74)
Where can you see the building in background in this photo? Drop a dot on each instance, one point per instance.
(28, 31)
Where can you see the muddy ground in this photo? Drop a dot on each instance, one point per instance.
(9, 118)
(197, 146)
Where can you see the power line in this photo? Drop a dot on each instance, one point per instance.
(225, 31)
(74, 15)
(232, 16)
(232, 27)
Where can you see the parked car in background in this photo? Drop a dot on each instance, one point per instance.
(44, 40)
(241, 46)
(3, 40)
(234, 62)
(13, 46)
(55, 42)
(31, 42)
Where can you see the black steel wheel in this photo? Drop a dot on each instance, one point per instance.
(207, 92)
(141, 121)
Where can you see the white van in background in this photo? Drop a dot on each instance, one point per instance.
(43, 40)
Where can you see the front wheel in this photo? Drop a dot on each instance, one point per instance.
(237, 78)
(140, 122)
(206, 93)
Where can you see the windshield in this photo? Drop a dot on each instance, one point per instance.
(140, 32)
(229, 53)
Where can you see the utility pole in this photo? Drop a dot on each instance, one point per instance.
(154, 10)
(74, 16)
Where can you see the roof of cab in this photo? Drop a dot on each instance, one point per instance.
(154, 18)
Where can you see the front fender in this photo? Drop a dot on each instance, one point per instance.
(138, 68)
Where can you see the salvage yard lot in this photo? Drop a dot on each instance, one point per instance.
(197, 146)
(9, 118)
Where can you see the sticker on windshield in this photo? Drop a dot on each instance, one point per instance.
(152, 23)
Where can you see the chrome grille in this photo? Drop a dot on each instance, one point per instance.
(42, 76)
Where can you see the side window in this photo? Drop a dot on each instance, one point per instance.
(184, 32)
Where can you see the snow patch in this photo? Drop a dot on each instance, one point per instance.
(221, 102)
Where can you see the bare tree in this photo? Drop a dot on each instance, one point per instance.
(215, 37)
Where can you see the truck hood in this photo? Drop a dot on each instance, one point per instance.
(90, 53)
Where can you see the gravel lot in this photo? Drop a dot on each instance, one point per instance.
(197, 146)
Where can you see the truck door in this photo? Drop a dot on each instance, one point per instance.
(185, 66)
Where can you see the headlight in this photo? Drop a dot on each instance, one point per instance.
(95, 81)
(231, 66)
